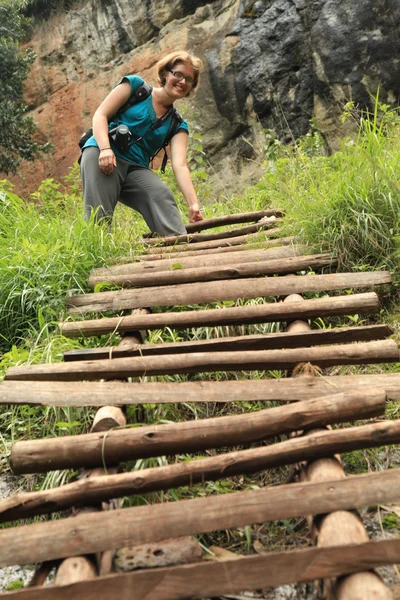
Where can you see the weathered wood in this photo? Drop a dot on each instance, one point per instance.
(53, 393)
(187, 262)
(108, 417)
(214, 291)
(111, 416)
(74, 569)
(241, 315)
(366, 584)
(341, 527)
(89, 533)
(383, 351)
(316, 445)
(41, 573)
(260, 236)
(184, 251)
(111, 448)
(168, 552)
(242, 343)
(253, 269)
(234, 219)
(212, 579)
(206, 237)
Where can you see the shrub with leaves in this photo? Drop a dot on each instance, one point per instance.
(17, 131)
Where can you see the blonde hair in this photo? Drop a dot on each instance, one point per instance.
(181, 56)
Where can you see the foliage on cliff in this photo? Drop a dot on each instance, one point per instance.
(17, 131)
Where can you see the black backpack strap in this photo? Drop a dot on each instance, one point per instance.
(176, 121)
(141, 93)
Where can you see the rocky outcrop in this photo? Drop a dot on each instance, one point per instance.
(269, 64)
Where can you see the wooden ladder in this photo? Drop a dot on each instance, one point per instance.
(250, 262)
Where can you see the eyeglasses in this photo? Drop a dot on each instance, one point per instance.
(179, 76)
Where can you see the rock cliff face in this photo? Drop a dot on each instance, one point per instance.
(268, 64)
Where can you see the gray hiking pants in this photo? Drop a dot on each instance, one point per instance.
(136, 187)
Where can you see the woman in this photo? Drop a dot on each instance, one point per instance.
(112, 172)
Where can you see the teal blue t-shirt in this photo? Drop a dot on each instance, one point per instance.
(139, 119)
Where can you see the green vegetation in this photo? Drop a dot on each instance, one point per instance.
(348, 203)
(17, 131)
(17, 584)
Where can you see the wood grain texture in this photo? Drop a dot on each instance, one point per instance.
(384, 351)
(211, 579)
(241, 315)
(233, 219)
(315, 446)
(267, 341)
(214, 291)
(111, 448)
(54, 393)
(184, 251)
(89, 533)
(217, 272)
(205, 237)
(190, 261)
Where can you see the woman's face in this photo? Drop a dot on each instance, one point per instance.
(179, 80)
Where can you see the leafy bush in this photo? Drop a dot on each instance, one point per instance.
(17, 141)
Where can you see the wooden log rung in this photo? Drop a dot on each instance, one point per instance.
(266, 341)
(89, 533)
(259, 237)
(226, 234)
(240, 315)
(211, 579)
(322, 444)
(189, 251)
(225, 272)
(233, 219)
(116, 446)
(193, 238)
(362, 353)
(214, 291)
(81, 393)
(186, 262)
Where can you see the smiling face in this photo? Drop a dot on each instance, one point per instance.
(179, 80)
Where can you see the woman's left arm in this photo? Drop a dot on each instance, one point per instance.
(182, 175)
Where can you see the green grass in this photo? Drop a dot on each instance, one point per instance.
(347, 203)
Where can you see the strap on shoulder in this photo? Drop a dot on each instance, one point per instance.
(141, 93)
(176, 120)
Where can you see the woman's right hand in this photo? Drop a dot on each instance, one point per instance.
(107, 161)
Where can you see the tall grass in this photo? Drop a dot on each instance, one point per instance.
(46, 253)
(347, 203)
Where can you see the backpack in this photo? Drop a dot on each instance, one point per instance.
(139, 95)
